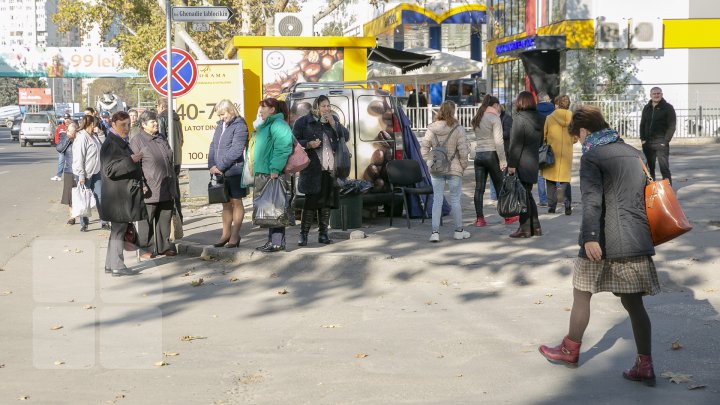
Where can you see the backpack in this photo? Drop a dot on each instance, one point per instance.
(438, 162)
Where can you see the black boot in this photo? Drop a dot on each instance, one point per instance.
(323, 223)
(306, 219)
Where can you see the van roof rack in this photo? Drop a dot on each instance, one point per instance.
(334, 85)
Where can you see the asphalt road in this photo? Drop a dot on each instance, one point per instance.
(390, 319)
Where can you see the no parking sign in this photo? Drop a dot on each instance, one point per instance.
(183, 72)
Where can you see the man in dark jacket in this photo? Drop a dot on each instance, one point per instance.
(176, 143)
(545, 107)
(657, 127)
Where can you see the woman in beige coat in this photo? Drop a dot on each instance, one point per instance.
(446, 130)
(558, 173)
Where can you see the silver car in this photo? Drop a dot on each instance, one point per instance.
(37, 127)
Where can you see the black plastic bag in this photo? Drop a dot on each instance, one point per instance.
(354, 187)
(271, 208)
(342, 160)
(512, 197)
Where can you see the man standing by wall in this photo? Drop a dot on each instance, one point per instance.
(657, 127)
(177, 143)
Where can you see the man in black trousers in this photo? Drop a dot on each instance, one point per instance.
(657, 127)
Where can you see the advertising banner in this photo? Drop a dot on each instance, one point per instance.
(283, 68)
(62, 62)
(216, 80)
(34, 96)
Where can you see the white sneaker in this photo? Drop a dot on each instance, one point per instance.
(461, 235)
(435, 237)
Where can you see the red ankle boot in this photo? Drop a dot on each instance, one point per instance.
(567, 352)
(642, 371)
(480, 222)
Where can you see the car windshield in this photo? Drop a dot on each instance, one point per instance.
(36, 119)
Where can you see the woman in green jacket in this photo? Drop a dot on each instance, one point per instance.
(273, 146)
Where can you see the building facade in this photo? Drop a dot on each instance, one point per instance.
(539, 45)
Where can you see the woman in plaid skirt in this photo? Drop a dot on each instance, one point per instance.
(616, 247)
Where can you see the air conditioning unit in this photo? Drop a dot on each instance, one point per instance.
(611, 33)
(293, 25)
(646, 34)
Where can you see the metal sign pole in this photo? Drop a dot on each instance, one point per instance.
(168, 56)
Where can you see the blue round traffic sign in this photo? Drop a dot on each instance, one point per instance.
(183, 72)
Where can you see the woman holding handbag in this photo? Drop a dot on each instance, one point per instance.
(122, 191)
(320, 133)
(225, 159)
(616, 247)
(273, 146)
(159, 171)
(525, 139)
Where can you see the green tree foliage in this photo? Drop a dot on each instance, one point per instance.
(600, 72)
(142, 24)
(9, 88)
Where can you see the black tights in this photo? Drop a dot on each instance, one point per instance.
(633, 304)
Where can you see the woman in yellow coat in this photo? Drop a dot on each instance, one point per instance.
(556, 135)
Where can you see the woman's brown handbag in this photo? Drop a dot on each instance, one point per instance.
(298, 159)
(665, 216)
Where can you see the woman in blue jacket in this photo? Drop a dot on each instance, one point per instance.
(226, 158)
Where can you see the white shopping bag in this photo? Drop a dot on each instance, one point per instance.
(83, 201)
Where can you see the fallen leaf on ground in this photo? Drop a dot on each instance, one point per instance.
(88, 307)
(360, 356)
(59, 362)
(189, 338)
(187, 274)
(676, 377)
(274, 275)
(23, 398)
(6, 292)
(538, 302)
(696, 386)
(208, 258)
(567, 309)
(676, 345)
(198, 282)
(234, 279)
(66, 250)
(160, 364)
(56, 327)
(548, 295)
(170, 354)
(709, 290)
(331, 326)
(78, 251)
(283, 291)
(444, 282)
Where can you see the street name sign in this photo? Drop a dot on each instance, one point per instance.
(201, 14)
(184, 72)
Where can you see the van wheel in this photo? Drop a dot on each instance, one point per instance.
(23, 144)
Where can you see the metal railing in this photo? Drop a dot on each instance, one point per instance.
(624, 116)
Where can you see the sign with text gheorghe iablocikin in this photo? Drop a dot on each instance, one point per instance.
(216, 80)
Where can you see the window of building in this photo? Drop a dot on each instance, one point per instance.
(508, 79)
(508, 16)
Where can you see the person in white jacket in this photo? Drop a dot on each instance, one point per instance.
(86, 163)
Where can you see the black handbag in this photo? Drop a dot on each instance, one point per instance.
(512, 197)
(545, 156)
(217, 190)
(342, 160)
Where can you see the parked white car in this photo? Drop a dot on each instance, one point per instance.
(37, 127)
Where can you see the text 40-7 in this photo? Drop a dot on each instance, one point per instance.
(191, 111)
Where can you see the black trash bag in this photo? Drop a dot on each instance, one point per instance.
(354, 187)
(512, 198)
(271, 205)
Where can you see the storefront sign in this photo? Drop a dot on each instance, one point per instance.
(34, 96)
(216, 80)
(543, 43)
(63, 62)
(524, 44)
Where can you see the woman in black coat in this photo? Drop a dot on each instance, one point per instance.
(616, 246)
(526, 137)
(319, 132)
(122, 197)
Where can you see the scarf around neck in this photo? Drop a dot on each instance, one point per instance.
(597, 138)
